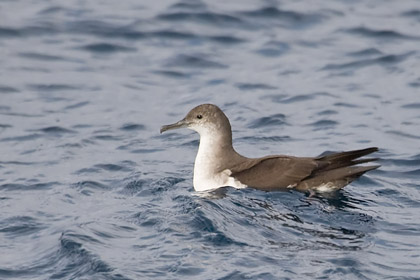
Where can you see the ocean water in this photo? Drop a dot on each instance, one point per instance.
(89, 189)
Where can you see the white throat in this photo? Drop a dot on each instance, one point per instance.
(209, 172)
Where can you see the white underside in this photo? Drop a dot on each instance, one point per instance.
(205, 182)
(206, 176)
(326, 187)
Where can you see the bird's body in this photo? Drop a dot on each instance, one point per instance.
(218, 165)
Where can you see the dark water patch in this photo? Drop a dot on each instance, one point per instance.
(17, 226)
(327, 113)
(41, 56)
(322, 124)
(9, 32)
(412, 13)
(210, 18)
(415, 84)
(76, 105)
(146, 151)
(3, 126)
(366, 52)
(5, 108)
(227, 40)
(107, 48)
(107, 137)
(247, 86)
(274, 120)
(52, 87)
(386, 35)
(384, 60)
(87, 170)
(291, 19)
(346, 105)
(273, 49)
(411, 106)
(191, 61)
(174, 74)
(132, 127)
(29, 137)
(7, 89)
(28, 187)
(17, 162)
(215, 82)
(189, 5)
(56, 130)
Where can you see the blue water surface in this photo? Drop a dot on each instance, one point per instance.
(89, 189)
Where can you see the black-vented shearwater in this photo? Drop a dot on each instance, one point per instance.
(218, 164)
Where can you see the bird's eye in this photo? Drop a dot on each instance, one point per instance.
(199, 117)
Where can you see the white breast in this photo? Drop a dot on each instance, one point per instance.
(206, 166)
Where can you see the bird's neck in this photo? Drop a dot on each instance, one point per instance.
(214, 148)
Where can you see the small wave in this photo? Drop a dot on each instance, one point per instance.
(174, 74)
(366, 52)
(19, 226)
(346, 105)
(290, 19)
(247, 86)
(148, 187)
(76, 260)
(52, 87)
(107, 48)
(76, 105)
(415, 84)
(55, 130)
(9, 32)
(411, 106)
(28, 137)
(146, 151)
(297, 98)
(89, 187)
(274, 120)
(7, 89)
(191, 61)
(273, 49)
(324, 124)
(112, 167)
(133, 127)
(402, 134)
(327, 112)
(27, 187)
(380, 34)
(384, 60)
(41, 56)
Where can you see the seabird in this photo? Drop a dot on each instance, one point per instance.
(218, 164)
